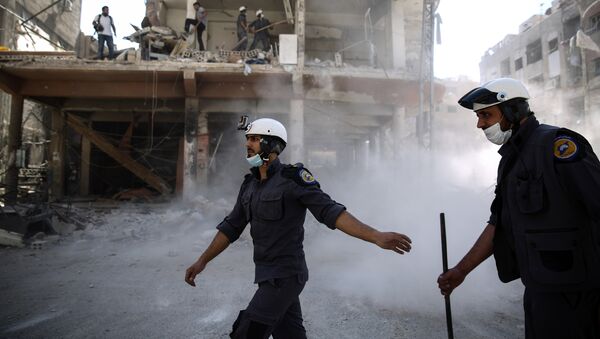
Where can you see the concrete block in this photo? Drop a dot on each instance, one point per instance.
(288, 49)
(38, 245)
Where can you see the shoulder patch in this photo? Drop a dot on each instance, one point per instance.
(565, 148)
(300, 175)
(307, 177)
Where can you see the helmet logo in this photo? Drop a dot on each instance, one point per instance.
(501, 96)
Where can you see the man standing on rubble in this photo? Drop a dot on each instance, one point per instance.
(201, 22)
(104, 25)
(261, 36)
(545, 219)
(242, 31)
(274, 198)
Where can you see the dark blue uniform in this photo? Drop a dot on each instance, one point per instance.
(276, 210)
(547, 218)
(241, 33)
(262, 36)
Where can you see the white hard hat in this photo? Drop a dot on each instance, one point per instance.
(494, 93)
(242, 8)
(267, 126)
(259, 12)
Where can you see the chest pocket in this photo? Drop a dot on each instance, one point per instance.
(246, 199)
(270, 206)
(529, 194)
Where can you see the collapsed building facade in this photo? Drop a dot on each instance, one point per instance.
(169, 125)
(558, 55)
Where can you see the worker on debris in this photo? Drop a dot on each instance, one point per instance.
(274, 198)
(242, 30)
(201, 23)
(545, 219)
(105, 26)
(258, 27)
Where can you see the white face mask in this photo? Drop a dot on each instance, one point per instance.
(496, 135)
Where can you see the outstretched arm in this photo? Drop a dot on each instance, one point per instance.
(481, 250)
(218, 245)
(396, 242)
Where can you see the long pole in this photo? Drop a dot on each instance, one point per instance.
(445, 266)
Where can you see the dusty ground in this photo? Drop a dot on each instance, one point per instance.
(123, 278)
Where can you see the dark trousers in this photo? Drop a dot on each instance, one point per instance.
(558, 315)
(242, 45)
(111, 48)
(199, 31)
(263, 39)
(274, 310)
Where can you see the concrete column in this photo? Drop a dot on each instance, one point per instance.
(376, 141)
(296, 124)
(203, 150)
(84, 179)
(14, 143)
(296, 131)
(190, 147)
(398, 131)
(396, 35)
(162, 12)
(57, 150)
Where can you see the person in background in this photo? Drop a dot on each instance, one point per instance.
(104, 26)
(263, 36)
(242, 30)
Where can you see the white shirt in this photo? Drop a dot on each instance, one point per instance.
(105, 22)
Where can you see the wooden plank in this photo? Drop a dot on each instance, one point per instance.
(104, 145)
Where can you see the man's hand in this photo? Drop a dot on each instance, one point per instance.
(396, 242)
(450, 280)
(193, 271)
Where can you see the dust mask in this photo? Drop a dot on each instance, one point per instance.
(496, 135)
(255, 161)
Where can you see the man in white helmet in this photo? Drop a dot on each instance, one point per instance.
(242, 30)
(261, 37)
(274, 198)
(545, 219)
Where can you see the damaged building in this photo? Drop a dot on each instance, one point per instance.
(346, 81)
(558, 55)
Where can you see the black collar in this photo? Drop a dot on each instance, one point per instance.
(273, 168)
(525, 131)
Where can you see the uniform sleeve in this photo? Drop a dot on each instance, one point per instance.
(234, 224)
(580, 176)
(322, 207)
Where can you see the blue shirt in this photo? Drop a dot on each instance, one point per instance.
(276, 210)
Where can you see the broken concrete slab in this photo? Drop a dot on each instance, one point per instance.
(11, 239)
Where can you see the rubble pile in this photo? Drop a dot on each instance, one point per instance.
(164, 43)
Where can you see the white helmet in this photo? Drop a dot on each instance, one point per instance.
(259, 12)
(242, 8)
(494, 93)
(266, 126)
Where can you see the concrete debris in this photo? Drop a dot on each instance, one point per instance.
(37, 245)
(11, 239)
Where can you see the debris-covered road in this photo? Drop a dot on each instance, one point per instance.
(123, 278)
